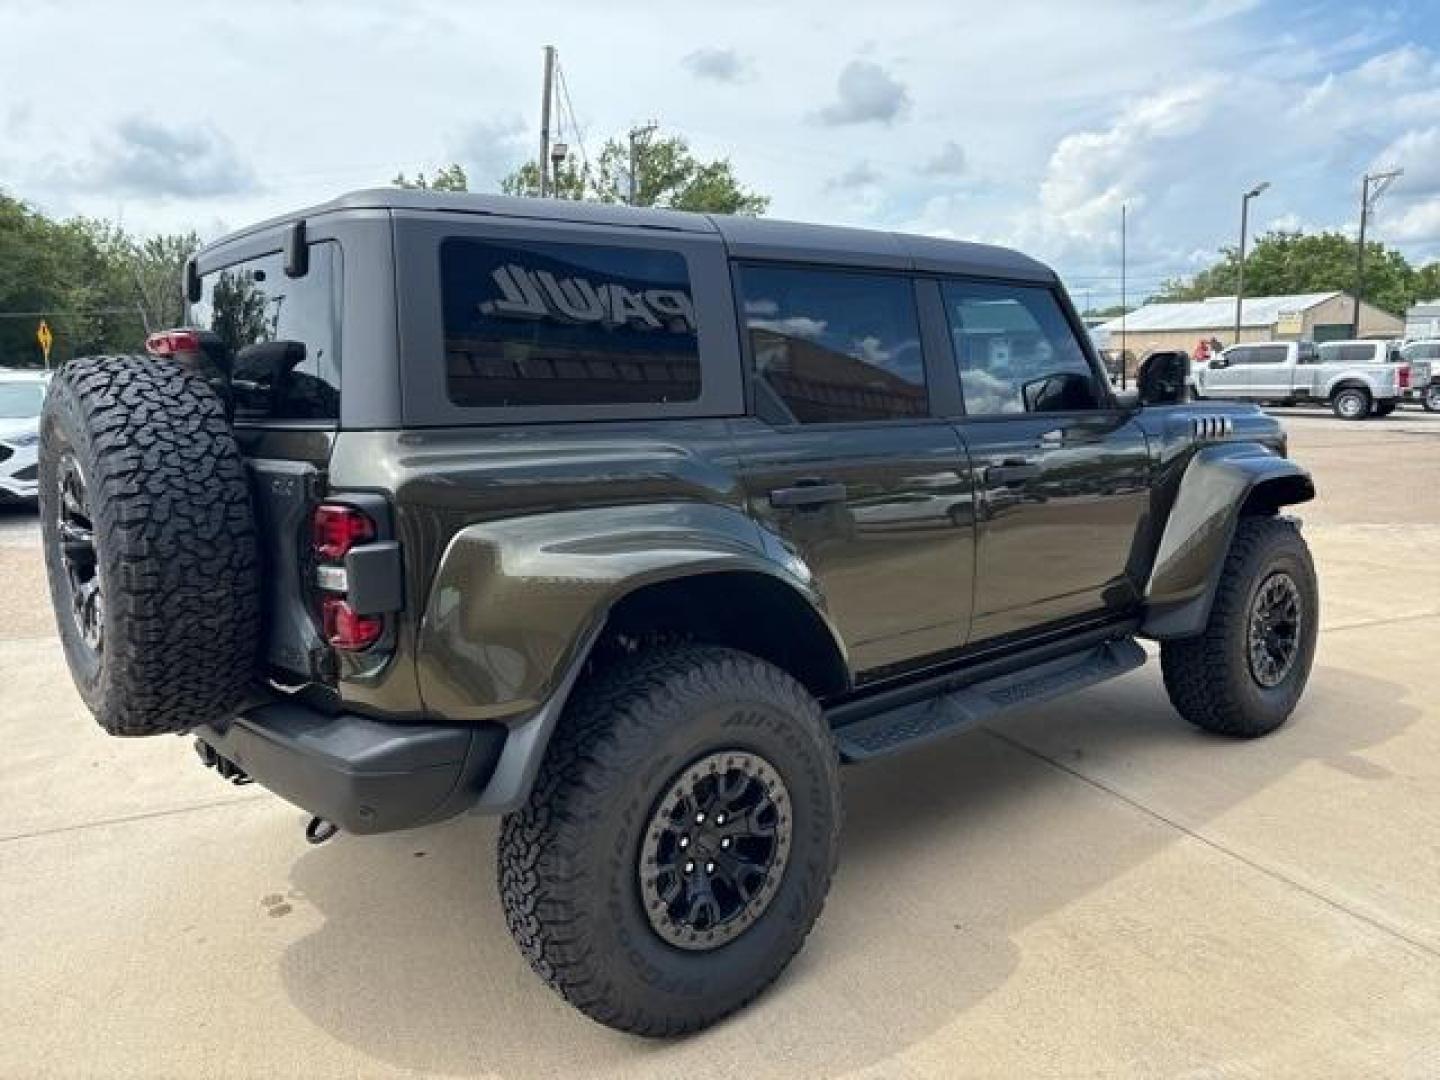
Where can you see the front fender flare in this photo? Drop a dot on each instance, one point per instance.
(1220, 484)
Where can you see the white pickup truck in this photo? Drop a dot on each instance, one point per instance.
(1353, 377)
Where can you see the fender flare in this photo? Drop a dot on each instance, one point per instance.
(517, 605)
(1220, 485)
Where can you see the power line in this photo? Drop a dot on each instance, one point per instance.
(570, 110)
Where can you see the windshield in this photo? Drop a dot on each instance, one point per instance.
(20, 401)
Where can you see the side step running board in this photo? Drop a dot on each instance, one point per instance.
(953, 711)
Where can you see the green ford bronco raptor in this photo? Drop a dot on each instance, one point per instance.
(632, 526)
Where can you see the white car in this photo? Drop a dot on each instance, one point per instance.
(22, 394)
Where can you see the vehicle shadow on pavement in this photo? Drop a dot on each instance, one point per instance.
(949, 854)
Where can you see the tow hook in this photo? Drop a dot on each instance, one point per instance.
(319, 830)
(224, 766)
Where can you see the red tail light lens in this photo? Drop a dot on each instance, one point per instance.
(173, 342)
(335, 529)
(346, 630)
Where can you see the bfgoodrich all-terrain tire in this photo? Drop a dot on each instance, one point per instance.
(1245, 673)
(679, 842)
(150, 544)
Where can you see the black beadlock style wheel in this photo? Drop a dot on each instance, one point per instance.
(1244, 674)
(715, 850)
(679, 841)
(1276, 618)
(150, 544)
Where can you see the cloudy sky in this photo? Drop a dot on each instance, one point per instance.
(1027, 123)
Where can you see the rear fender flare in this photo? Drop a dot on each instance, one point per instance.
(516, 603)
(1220, 485)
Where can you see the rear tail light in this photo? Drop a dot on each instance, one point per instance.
(173, 343)
(335, 530)
(1404, 376)
(346, 630)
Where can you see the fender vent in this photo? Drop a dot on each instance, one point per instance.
(1211, 427)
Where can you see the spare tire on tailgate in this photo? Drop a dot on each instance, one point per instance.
(150, 543)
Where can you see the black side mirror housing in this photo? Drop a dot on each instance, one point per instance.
(1164, 378)
(192, 280)
(297, 252)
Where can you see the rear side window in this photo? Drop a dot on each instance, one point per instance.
(539, 323)
(1267, 354)
(836, 346)
(1016, 351)
(1347, 354)
(283, 334)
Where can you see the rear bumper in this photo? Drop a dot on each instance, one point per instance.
(364, 775)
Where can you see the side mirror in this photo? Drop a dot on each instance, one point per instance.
(1163, 378)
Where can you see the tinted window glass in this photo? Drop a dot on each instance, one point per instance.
(1267, 354)
(566, 324)
(1016, 350)
(836, 346)
(282, 333)
(1347, 354)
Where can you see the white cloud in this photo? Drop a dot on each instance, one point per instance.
(490, 149)
(719, 65)
(793, 326)
(866, 93)
(950, 160)
(861, 174)
(151, 159)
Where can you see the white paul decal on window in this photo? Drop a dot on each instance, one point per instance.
(539, 294)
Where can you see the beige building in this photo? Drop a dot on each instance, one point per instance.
(1299, 317)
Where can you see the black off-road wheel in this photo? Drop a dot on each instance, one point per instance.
(150, 544)
(1351, 403)
(679, 841)
(1244, 675)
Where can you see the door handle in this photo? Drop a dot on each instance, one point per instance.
(1010, 472)
(811, 494)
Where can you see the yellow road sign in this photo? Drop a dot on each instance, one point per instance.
(45, 338)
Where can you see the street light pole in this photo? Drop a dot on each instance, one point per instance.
(1381, 181)
(1240, 274)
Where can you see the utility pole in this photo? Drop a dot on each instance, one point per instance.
(1368, 199)
(1258, 189)
(636, 134)
(1124, 307)
(545, 96)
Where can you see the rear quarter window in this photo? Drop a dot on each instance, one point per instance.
(546, 324)
(282, 334)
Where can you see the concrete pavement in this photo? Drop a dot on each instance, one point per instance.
(1092, 888)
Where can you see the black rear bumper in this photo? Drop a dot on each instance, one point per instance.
(364, 775)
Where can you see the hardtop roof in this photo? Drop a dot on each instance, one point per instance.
(746, 237)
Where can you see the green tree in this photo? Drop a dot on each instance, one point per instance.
(1295, 262)
(97, 286)
(667, 174)
(448, 178)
